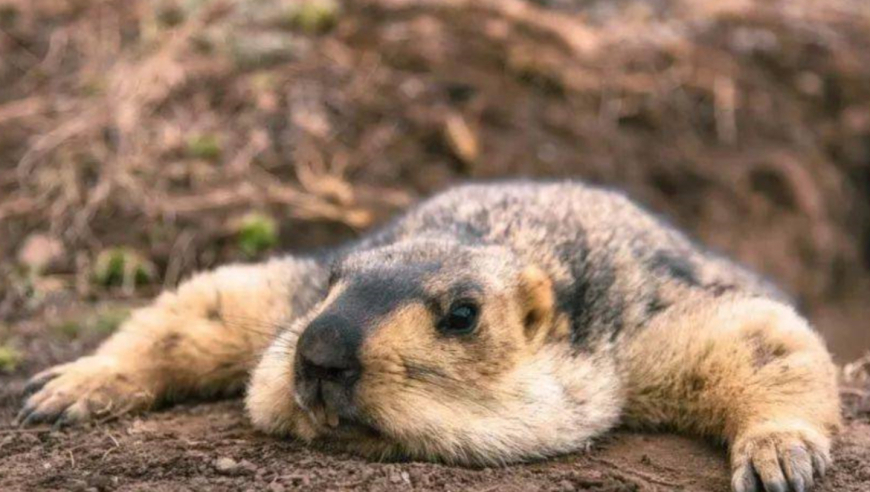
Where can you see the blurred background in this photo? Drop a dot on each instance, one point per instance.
(142, 140)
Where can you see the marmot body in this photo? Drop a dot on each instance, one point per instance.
(490, 324)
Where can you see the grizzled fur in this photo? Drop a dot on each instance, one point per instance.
(615, 265)
(590, 310)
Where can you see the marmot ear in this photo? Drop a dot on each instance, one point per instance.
(537, 302)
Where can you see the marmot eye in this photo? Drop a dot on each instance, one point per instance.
(460, 320)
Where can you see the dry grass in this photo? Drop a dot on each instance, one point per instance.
(104, 139)
(159, 125)
(107, 105)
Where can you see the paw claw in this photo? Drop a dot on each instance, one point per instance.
(36, 418)
(38, 382)
(24, 413)
(798, 486)
(821, 461)
(779, 461)
(745, 480)
(776, 487)
(76, 392)
(798, 467)
(65, 419)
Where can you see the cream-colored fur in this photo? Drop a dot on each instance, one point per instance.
(749, 372)
(202, 339)
(563, 404)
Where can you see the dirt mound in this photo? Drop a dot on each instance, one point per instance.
(156, 125)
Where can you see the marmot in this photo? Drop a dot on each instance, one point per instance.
(490, 324)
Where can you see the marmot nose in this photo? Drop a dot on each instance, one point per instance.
(328, 351)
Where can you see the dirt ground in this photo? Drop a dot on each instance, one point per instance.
(211, 447)
(143, 135)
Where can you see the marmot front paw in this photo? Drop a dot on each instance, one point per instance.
(779, 458)
(88, 388)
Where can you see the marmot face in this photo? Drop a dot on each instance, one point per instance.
(432, 350)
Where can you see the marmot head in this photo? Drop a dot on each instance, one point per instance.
(434, 350)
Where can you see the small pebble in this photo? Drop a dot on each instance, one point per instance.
(226, 465)
(248, 466)
(566, 486)
(39, 251)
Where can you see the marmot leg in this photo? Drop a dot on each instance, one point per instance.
(202, 339)
(750, 372)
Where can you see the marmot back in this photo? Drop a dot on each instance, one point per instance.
(614, 264)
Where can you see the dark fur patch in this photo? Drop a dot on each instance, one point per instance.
(764, 352)
(169, 341)
(316, 276)
(718, 288)
(375, 294)
(589, 298)
(371, 296)
(655, 305)
(697, 383)
(342, 326)
(678, 268)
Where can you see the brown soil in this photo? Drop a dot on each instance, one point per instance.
(157, 125)
(211, 447)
